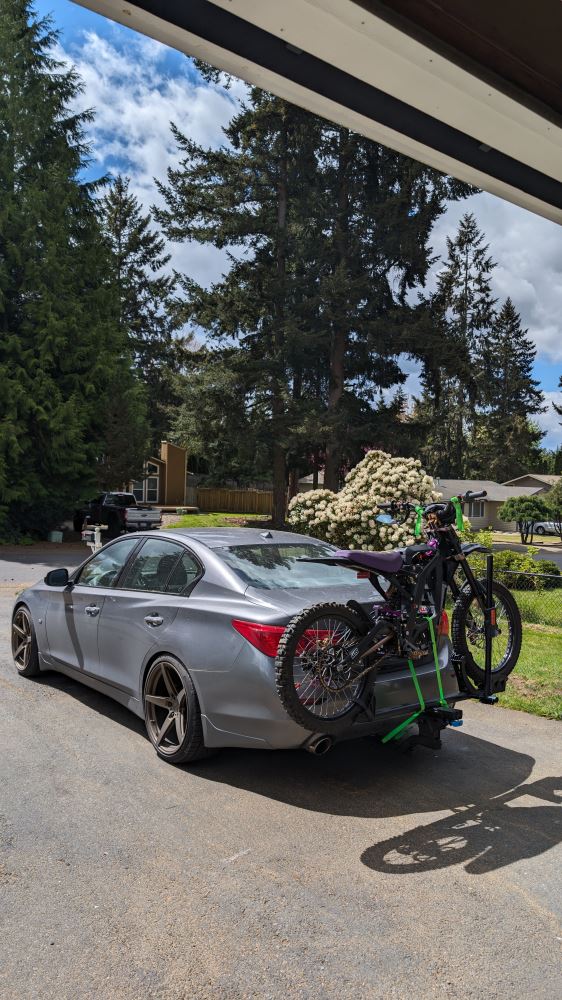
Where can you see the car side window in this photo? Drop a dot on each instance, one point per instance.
(154, 567)
(184, 573)
(104, 568)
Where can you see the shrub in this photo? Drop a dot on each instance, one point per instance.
(547, 566)
(525, 511)
(347, 519)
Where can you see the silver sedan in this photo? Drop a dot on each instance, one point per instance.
(182, 627)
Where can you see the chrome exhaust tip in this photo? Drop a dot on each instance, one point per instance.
(319, 745)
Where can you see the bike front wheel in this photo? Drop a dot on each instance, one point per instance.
(468, 633)
(320, 687)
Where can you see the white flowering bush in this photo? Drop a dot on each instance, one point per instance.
(347, 519)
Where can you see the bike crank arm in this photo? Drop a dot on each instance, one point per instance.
(367, 670)
(363, 649)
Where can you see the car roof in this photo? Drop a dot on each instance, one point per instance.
(215, 538)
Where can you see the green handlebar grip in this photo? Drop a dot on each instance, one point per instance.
(458, 513)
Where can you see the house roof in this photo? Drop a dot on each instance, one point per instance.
(495, 491)
(549, 480)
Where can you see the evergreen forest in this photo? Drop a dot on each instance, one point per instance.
(293, 363)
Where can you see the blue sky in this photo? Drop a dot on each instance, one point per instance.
(137, 86)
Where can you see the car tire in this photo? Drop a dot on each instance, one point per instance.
(171, 712)
(540, 530)
(25, 652)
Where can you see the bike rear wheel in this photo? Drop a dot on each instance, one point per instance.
(318, 688)
(468, 636)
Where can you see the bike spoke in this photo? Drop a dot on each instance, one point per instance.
(501, 643)
(324, 686)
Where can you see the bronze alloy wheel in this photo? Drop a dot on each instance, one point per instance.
(166, 711)
(22, 639)
(171, 712)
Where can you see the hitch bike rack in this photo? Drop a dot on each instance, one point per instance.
(432, 720)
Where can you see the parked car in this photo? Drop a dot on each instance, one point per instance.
(119, 511)
(545, 528)
(183, 626)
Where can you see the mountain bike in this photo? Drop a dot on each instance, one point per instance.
(329, 654)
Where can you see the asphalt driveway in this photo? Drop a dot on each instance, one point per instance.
(365, 873)
(25, 564)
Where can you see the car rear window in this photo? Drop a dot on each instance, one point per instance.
(276, 567)
(121, 499)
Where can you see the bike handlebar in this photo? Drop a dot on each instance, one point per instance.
(476, 495)
(440, 505)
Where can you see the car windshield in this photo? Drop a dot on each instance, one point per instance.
(276, 567)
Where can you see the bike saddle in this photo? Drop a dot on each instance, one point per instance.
(378, 562)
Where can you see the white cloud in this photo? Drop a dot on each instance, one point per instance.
(135, 99)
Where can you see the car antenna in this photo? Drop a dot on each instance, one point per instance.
(266, 534)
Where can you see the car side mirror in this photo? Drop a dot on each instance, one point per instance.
(57, 578)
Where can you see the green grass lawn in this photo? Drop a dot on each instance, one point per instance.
(540, 607)
(215, 520)
(514, 536)
(536, 683)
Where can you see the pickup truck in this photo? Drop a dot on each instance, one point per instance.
(119, 511)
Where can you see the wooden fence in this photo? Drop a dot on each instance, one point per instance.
(235, 501)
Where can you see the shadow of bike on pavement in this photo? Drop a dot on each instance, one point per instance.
(483, 836)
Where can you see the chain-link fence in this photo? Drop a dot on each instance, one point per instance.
(539, 596)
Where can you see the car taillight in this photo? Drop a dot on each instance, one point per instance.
(266, 638)
(443, 624)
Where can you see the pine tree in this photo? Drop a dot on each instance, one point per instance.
(330, 231)
(506, 357)
(376, 219)
(555, 405)
(60, 347)
(506, 442)
(464, 305)
(145, 293)
(245, 197)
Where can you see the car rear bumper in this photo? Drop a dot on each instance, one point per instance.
(248, 712)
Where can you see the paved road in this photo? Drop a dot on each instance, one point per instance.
(25, 564)
(363, 874)
(553, 552)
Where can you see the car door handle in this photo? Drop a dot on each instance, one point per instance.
(154, 620)
(92, 610)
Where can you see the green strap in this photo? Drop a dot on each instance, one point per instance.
(442, 700)
(458, 513)
(402, 725)
(418, 524)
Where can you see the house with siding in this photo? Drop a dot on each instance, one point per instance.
(165, 478)
(484, 513)
(542, 482)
